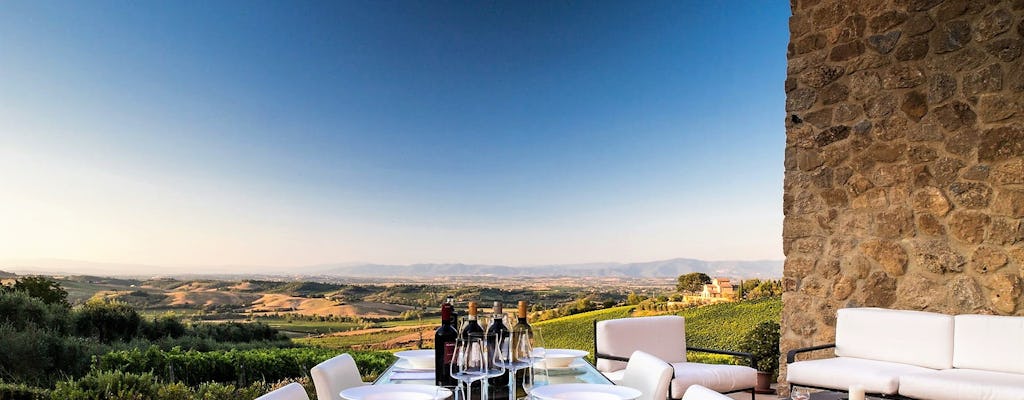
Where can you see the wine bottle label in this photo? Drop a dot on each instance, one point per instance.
(449, 352)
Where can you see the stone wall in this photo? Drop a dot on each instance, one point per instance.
(904, 163)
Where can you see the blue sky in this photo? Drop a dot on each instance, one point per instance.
(292, 133)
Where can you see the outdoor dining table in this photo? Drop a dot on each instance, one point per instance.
(579, 371)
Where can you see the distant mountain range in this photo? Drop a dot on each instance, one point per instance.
(653, 269)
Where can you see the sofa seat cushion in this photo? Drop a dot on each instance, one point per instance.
(717, 377)
(963, 384)
(841, 372)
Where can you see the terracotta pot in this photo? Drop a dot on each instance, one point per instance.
(764, 383)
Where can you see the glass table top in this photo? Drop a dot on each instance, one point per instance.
(578, 371)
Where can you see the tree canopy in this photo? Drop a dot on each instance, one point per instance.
(42, 288)
(692, 282)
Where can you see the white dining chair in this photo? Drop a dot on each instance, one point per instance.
(332, 376)
(291, 391)
(648, 374)
(698, 392)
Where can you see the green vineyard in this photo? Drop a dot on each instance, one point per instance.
(719, 326)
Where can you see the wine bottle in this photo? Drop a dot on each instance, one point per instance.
(471, 325)
(444, 345)
(494, 332)
(520, 332)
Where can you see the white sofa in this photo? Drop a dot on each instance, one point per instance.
(665, 337)
(919, 355)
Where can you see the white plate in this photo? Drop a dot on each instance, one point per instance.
(561, 358)
(391, 391)
(420, 359)
(585, 391)
(404, 365)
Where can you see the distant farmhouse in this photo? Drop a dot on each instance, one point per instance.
(719, 289)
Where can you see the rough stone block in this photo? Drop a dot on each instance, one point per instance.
(914, 48)
(988, 259)
(984, 80)
(955, 115)
(883, 44)
(1009, 173)
(1009, 202)
(972, 195)
(801, 99)
(936, 256)
(941, 87)
(931, 200)
(969, 226)
(915, 105)
(886, 253)
(992, 24)
(903, 76)
(887, 20)
(950, 36)
(997, 107)
(1006, 49)
(1002, 143)
(1004, 291)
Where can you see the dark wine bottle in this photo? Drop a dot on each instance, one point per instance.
(471, 325)
(521, 331)
(444, 345)
(494, 332)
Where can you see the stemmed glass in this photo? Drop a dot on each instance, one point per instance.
(536, 375)
(469, 364)
(801, 394)
(514, 354)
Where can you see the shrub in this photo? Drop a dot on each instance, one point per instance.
(107, 320)
(117, 385)
(22, 310)
(233, 366)
(19, 391)
(763, 343)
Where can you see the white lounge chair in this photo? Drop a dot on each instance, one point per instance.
(332, 376)
(665, 338)
(291, 391)
(648, 374)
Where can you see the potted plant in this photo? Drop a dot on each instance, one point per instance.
(763, 343)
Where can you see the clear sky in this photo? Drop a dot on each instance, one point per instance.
(291, 133)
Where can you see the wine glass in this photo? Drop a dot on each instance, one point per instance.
(801, 394)
(469, 364)
(537, 373)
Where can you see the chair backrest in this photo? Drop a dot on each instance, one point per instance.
(989, 342)
(291, 391)
(332, 376)
(663, 336)
(908, 337)
(698, 392)
(648, 374)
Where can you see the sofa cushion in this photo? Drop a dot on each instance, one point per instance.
(841, 372)
(988, 342)
(698, 392)
(717, 377)
(909, 337)
(662, 336)
(963, 384)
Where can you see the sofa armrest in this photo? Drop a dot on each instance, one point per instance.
(791, 355)
(753, 360)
